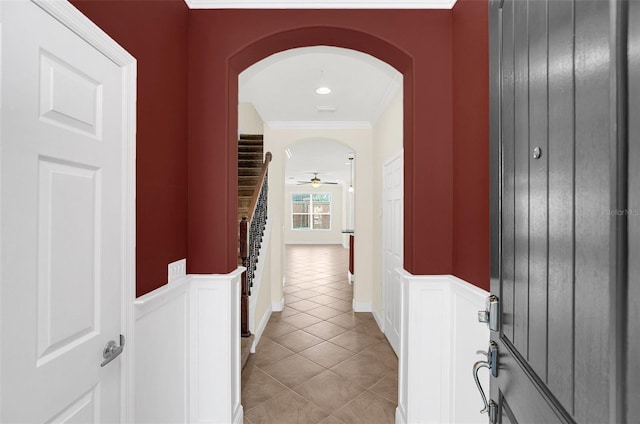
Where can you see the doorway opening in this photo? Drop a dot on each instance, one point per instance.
(325, 179)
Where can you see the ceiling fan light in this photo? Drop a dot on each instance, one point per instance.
(315, 184)
(323, 90)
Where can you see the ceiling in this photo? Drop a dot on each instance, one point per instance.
(282, 88)
(329, 158)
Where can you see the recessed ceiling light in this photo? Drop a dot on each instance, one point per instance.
(323, 90)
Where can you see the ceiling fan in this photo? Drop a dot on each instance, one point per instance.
(315, 181)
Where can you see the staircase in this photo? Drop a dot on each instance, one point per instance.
(250, 160)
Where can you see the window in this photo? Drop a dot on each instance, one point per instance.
(311, 211)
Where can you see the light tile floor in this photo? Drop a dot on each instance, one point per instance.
(317, 360)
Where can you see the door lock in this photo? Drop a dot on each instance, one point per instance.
(112, 351)
(491, 315)
(492, 364)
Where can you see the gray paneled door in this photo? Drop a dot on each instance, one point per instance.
(565, 195)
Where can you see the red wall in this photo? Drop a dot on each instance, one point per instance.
(416, 42)
(155, 32)
(189, 60)
(471, 142)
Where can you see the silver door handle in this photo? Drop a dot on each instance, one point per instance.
(476, 367)
(492, 364)
(112, 351)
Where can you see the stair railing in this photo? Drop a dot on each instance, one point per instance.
(252, 229)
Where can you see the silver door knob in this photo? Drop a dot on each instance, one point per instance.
(111, 351)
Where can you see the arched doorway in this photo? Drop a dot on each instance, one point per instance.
(221, 50)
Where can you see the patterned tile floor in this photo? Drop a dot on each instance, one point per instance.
(317, 360)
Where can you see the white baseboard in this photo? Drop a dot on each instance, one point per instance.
(278, 306)
(258, 333)
(361, 306)
(401, 416)
(238, 417)
(378, 319)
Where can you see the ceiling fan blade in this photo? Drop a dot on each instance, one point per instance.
(329, 182)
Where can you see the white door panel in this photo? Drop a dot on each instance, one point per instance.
(61, 220)
(392, 228)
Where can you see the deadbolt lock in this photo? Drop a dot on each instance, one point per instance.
(491, 315)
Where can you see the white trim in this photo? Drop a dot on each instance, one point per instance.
(82, 26)
(378, 319)
(401, 415)
(278, 306)
(1, 23)
(361, 306)
(258, 333)
(319, 125)
(326, 4)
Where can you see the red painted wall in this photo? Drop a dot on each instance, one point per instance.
(416, 42)
(188, 60)
(471, 142)
(155, 32)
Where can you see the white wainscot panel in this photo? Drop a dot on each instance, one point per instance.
(215, 348)
(187, 351)
(440, 335)
(161, 355)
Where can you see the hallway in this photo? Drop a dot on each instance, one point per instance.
(317, 360)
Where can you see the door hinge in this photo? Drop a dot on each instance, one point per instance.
(491, 315)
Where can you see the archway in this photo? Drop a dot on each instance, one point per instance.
(336, 37)
(223, 44)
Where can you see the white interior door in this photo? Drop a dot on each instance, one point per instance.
(392, 231)
(63, 216)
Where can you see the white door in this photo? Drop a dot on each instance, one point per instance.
(63, 212)
(392, 235)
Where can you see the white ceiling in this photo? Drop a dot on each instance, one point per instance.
(282, 88)
(329, 158)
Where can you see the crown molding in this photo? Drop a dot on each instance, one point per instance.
(392, 90)
(319, 125)
(315, 4)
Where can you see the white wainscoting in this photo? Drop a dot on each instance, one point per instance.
(440, 335)
(187, 356)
